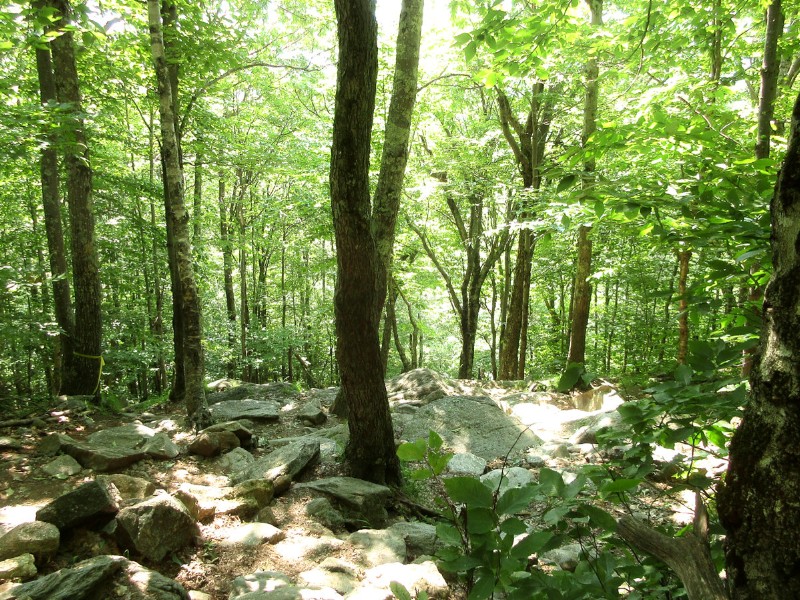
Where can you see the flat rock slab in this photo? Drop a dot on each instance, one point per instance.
(363, 500)
(280, 392)
(468, 424)
(100, 577)
(286, 461)
(260, 410)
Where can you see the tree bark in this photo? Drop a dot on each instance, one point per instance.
(227, 273)
(759, 502)
(370, 451)
(83, 377)
(51, 202)
(683, 316)
(193, 364)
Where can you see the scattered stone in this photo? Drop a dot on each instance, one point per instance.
(161, 447)
(62, 467)
(567, 557)
(535, 461)
(556, 450)
(242, 429)
(9, 443)
(297, 547)
(214, 443)
(96, 578)
(514, 477)
(466, 463)
(259, 491)
(92, 504)
(18, 567)
(266, 515)
(251, 535)
(287, 460)
(420, 538)
(260, 581)
(378, 546)
(237, 459)
(230, 410)
(323, 512)
(321, 577)
(130, 488)
(362, 501)
(155, 527)
(312, 414)
(37, 538)
(415, 577)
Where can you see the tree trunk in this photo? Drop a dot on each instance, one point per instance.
(51, 201)
(227, 274)
(370, 451)
(510, 346)
(759, 503)
(193, 364)
(87, 364)
(683, 317)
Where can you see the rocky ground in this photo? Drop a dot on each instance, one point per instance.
(134, 505)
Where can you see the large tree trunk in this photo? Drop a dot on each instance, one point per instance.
(51, 201)
(759, 503)
(83, 377)
(370, 450)
(193, 364)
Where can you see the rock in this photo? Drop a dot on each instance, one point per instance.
(514, 477)
(237, 459)
(466, 463)
(260, 491)
(155, 527)
(556, 450)
(62, 467)
(213, 443)
(251, 535)
(567, 557)
(37, 538)
(593, 422)
(418, 387)
(130, 488)
(202, 505)
(9, 443)
(287, 460)
(230, 410)
(295, 547)
(378, 546)
(241, 429)
(100, 577)
(93, 503)
(535, 461)
(18, 567)
(472, 424)
(420, 538)
(603, 397)
(340, 576)
(161, 447)
(323, 512)
(362, 501)
(260, 581)
(312, 414)
(280, 392)
(415, 577)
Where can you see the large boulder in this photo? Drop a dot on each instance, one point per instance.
(155, 527)
(286, 461)
(418, 387)
(360, 501)
(247, 408)
(93, 503)
(37, 538)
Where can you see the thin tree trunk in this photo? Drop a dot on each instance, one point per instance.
(193, 365)
(683, 317)
(370, 451)
(87, 364)
(227, 274)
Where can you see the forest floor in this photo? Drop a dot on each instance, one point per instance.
(208, 566)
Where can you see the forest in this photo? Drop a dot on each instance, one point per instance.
(561, 192)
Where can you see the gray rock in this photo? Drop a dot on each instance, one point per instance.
(362, 501)
(18, 567)
(418, 386)
(567, 557)
(9, 443)
(91, 457)
(93, 503)
(259, 491)
(260, 581)
(130, 488)
(62, 467)
(241, 429)
(100, 577)
(261, 410)
(296, 548)
(320, 578)
(312, 414)
(415, 577)
(466, 463)
(420, 538)
(468, 424)
(251, 535)
(378, 546)
(155, 527)
(556, 450)
(280, 392)
(536, 461)
(37, 538)
(214, 443)
(287, 460)
(237, 459)
(323, 512)
(161, 447)
(514, 477)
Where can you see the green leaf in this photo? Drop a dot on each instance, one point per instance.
(515, 500)
(480, 520)
(570, 377)
(531, 544)
(412, 451)
(513, 526)
(599, 517)
(484, 585)
(618, 485)
(683, 374)
(399, 590)
(469, 51)
(469, 491)
(566, 182)
(434, 440)
(448, 534)
(551, 481)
